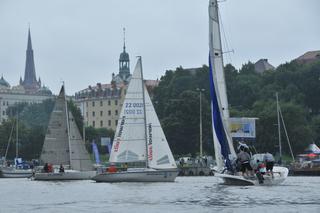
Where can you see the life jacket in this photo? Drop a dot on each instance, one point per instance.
(262, 168)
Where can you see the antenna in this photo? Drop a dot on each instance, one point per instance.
(124, 38)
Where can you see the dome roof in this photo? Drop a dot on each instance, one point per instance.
(124, 56)
(44, 91)
(4, 82)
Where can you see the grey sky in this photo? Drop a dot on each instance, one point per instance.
(79, 41)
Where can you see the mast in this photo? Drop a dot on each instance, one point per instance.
(17, 136)
(144, 113)
(279, 129)
(68, 125)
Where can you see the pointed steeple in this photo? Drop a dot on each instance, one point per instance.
(30, 79)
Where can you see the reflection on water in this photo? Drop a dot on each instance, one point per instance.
(187, 194)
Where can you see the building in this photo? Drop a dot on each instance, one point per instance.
(309, 57)
(263, 65)
(101, 104)
(29, 89)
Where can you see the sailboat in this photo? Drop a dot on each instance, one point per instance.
(224, 151)
(63, 145)
(140, 138)
(17, 170)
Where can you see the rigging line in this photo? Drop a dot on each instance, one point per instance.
(285, 130)
(225, 39)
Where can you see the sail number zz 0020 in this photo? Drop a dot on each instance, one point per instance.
(133, 109)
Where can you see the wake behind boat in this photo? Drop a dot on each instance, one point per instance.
(224, 151)
(140, 138)
(63, 147)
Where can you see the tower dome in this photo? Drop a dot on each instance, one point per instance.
(3, 82)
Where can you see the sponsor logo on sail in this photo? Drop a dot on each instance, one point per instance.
(117, 144)
(150, 141)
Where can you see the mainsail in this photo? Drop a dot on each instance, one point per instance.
(62, 136)
(219, 102)
(140, 138)
(129, 140)
(55, 148)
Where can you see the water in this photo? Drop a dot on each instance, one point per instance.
(187, 194)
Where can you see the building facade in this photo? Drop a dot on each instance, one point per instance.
(29, 89)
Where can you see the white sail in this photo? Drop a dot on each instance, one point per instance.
(159, 153)
(55, 148)
(216, 60)
(80, 159)
(129, 144)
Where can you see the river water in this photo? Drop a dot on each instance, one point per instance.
(187, 194)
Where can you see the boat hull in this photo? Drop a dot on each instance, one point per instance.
(67, 175)
(15, 173)
(138, 176)
(280, 175)
(305, 171)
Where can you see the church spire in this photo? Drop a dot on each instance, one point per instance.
(30, 79)
(124, 61)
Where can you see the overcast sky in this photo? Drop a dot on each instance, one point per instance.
(79, 41)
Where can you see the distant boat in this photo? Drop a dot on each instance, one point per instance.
(224, 150)
(19, 169)
(63, 145)
(140, 138)
(308, 163)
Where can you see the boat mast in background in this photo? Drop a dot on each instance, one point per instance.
(279, 115)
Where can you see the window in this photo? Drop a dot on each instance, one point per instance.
(115, 102)
(116, 121)
(109, 112)
(101, 113)
(109, 122)
(3, 112)
(93, 123)
(3, 103)
(109, 102)
(101, 103)
(101, 123)
(87, 104)
(87, 114)
(93, 103)
(116, 112)
(93, 113)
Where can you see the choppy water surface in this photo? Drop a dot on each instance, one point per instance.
(187, 194)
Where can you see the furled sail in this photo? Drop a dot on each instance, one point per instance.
(219, 103)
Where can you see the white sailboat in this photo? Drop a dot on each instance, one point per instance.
(140, 138)
(16, 170)
(223, 145)
(63, 145)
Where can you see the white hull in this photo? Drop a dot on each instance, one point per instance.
(139, 175)
(67, 175)
(15, 173)
(280, 175)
